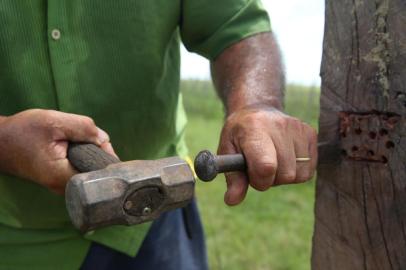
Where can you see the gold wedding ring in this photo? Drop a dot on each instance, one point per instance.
(302, 159)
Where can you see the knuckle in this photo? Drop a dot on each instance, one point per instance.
(92, 131)
(296, 124)
(280, 123)
(287, 177)
(49, 119)
(88, 121)
(90, 126)
(47, 115)
(263, 175)
(261, 184)
(35, 111)
(304, 177)
(266, 169)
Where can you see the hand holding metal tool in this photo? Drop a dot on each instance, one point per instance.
(208, 165)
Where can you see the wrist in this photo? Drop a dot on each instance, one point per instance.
(273, 104)
(248, 99)
(2, 119)
(255, 110)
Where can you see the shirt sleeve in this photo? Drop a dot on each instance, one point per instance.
(207, 27)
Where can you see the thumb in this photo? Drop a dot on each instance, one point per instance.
(78, 128)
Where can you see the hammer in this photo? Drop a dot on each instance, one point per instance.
(109, 192)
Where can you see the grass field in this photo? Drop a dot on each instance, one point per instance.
(270, 230)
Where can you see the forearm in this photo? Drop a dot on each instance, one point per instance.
(249, 73)
(249, 79)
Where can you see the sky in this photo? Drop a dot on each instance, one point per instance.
(298, 26)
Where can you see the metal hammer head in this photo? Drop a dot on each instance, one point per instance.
(129, 193)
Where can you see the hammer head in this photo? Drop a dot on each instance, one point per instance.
(129, 193)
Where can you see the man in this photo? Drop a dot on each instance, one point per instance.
(76, 70)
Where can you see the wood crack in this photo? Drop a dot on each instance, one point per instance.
(365, 209)
(380, 219)
(356, 30)
(398, 216)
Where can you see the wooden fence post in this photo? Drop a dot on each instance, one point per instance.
(361, 198)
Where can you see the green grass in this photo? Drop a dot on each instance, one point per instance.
(269, 230)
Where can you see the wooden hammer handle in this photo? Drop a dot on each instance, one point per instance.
(86, 157)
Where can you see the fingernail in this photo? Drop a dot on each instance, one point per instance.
(228, 196)
(102, 136)
(109, 149)
(229, 200)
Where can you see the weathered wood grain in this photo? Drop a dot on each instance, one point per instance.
(361, 201)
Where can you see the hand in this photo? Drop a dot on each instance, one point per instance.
(33, 145)
(270, 141)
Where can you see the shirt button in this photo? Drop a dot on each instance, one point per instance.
(56, 34)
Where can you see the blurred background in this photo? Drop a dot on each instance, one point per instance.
(271, 230)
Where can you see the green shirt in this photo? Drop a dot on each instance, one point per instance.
(117, 62)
